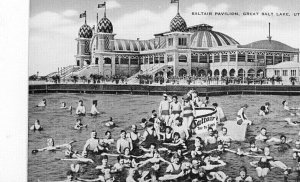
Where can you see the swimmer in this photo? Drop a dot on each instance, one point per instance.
(93, 144)
(176, 108)
(63, 105)
(264, 110)
(296, 150)
(164, 108)
(36, 126)
(79, 125)
(80, 111)
(75, 156)
(177, 143)
(244, 177)
(286, 107)
(220, 116)
(107, 140)
(70, 177)
(123, 142)
(241, 116)
(110, 122)
(43, 103)
(143, 123)
(52, 147)
(265, 163)
(94, 110)
(155, 161)
(210, 139)
(290, 122)
(187, 112)
(225, 138)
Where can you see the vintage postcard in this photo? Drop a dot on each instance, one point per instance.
(173, 90)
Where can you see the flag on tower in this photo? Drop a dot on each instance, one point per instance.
(102, 5)
(82, 15)
(174, 1)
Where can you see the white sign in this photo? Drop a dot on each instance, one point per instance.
(204, 118)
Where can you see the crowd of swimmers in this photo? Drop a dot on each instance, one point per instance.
(168, 139)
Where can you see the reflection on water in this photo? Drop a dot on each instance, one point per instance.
(129, 109)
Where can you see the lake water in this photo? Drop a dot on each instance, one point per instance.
(129, 109)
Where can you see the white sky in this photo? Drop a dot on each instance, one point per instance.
(54, 24)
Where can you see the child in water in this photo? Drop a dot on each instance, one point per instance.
(78, 124)
(36, 126)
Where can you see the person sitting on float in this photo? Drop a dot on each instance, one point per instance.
(241, 116)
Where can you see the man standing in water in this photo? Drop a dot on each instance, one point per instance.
(175, 110)
(164, 108)
(80, 108)
(123, 143)
(92, 144)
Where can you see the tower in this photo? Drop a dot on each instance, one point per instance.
(83, 55)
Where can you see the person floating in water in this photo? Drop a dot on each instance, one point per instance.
(110, 122)
(43, 103)
(80, 111)
(94, 110)
(52, 147)
(36, 126)
(265, 109)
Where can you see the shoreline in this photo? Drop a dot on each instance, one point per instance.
(209, 90)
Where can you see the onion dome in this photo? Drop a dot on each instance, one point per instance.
(105, 25)
(178, 24)
(85, 31)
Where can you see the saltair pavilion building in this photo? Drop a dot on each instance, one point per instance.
(183, 50)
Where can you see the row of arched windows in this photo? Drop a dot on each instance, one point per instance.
(224, 72)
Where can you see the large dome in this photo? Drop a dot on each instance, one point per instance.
(204, 36)
(178, 24)
(85, 31)
(105, 25)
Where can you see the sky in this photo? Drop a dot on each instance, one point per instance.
(54, 24)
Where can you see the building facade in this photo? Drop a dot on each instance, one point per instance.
(196, 50)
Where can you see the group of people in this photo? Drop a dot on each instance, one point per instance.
(168, 148)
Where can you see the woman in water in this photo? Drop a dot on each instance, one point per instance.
(187, 112)
(244, 177)
(266, 162)
(241, 116)
(36, 126)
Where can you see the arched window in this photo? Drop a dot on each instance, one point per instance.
(78, 62)
(224, 72)
(260, 73)
(209, 73)
(97, 61)
(217, 72)
(241, 73)
(232, 72)
(107, 61)
(182, 59)
(251, 73)
(202, 73)
(182, 72)
(160, 73)
(194, 72)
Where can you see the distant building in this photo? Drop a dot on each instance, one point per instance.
(285, 70)
(195, 50)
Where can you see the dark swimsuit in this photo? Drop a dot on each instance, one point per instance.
(264, 165)
(168, 140)
(149, 139)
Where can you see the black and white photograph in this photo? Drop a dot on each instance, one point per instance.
(163, 90)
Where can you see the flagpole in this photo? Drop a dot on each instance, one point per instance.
(97, 20)
(85, 17)
(104, 9)
(178, 7)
